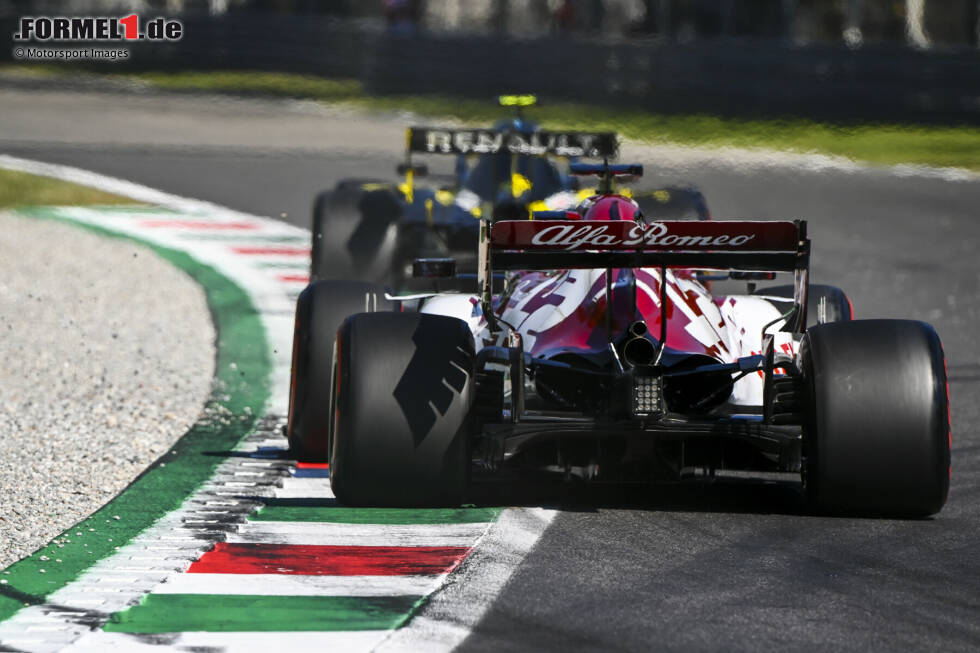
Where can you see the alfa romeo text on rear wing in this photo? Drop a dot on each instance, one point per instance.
(777, 246)
(741, 245)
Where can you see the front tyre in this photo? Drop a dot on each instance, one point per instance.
(876, 438)
(403, 395)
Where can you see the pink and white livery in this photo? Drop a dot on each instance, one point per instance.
(595, 348)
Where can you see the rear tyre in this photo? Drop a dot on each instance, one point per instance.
(404, 396)
(824, 304)
(335, 217)
(876, 436)
(351, 232)
(320, 309)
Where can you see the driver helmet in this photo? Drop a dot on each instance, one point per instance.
(610, 207)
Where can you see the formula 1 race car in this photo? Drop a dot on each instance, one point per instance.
(373, 230)
(606, 358)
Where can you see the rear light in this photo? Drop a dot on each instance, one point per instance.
(647, 396)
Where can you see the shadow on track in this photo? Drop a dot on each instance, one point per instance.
(721, 495)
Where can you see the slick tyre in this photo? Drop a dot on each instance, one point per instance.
(825, 304)
(404, 395)
(320, 310)
(352, 238)
(876, 434)
(335, 217)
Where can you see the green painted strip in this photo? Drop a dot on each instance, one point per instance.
(171, 613)
(239, 397)
(342, 515)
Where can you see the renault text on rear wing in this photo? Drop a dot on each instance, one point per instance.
(432, 140)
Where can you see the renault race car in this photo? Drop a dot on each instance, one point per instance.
(607, 359)
(373, 230)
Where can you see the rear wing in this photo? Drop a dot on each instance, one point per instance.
(740, 245)
(780, 246)
(434, 140)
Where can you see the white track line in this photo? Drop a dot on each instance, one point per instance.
(451, 613)
(315, 488)
(314, 642)
(687, 157)
(334, 534)
(302, 493)
(122, 187)
(298, 585)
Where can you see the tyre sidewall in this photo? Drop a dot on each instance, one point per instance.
(320, 309)
(404, 396)
(877, 434)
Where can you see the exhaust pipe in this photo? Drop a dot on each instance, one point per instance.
(638, 329)
(638, 350)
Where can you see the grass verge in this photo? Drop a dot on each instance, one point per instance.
(23, 189)
(884, 144)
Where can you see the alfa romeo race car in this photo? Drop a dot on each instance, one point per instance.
(606, 358)
(373, 230)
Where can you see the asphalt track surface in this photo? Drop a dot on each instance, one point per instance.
(728, 566)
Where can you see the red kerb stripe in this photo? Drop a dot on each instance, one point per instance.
(299, 278)
(198, 225)
(313, 560)
(278, 251)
